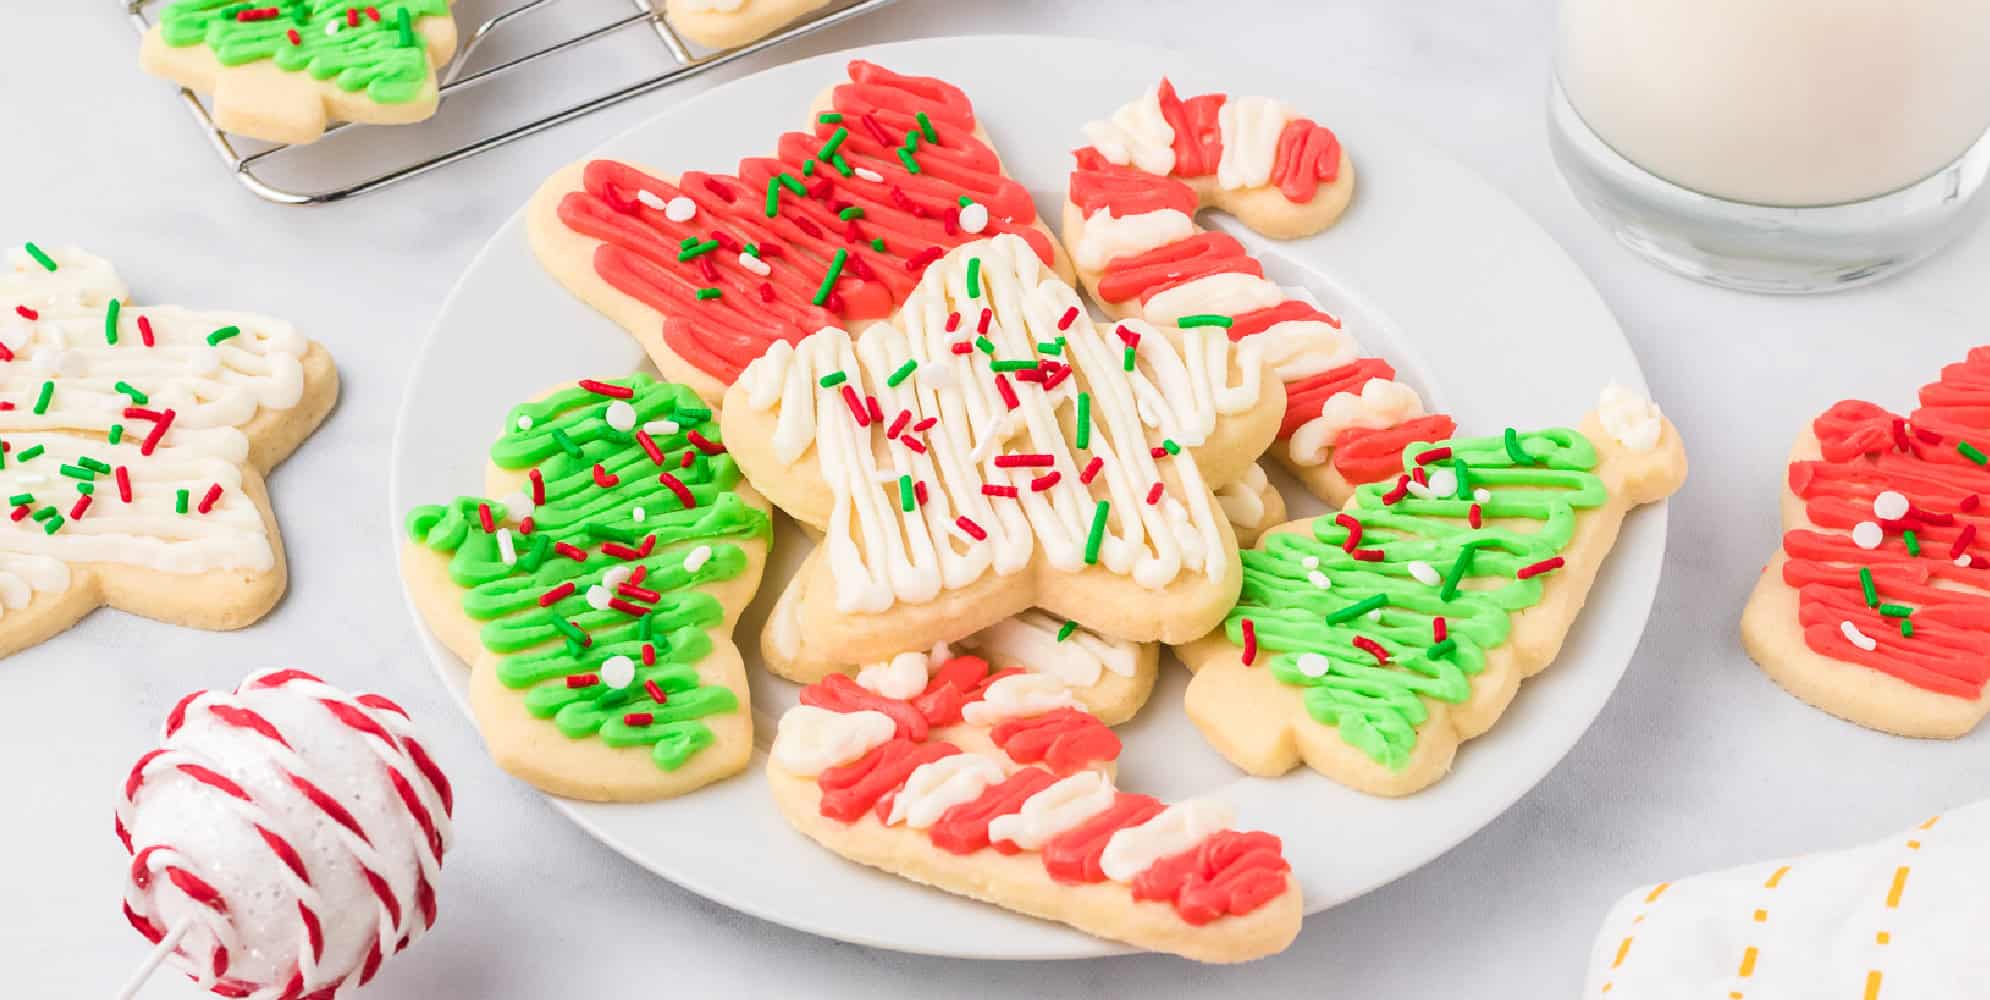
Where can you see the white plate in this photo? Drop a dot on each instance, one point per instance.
(1431, 268)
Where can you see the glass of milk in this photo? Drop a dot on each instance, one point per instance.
(1776, 145)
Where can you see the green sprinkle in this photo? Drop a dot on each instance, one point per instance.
(40, 258)
(1913, 543)
(110, 321)
(179, 501)
(116, 434)
(911, 165)
(405, 22)
(20, 499)
(808, 167)
(974, 277)
(850, 212)
(1357, 609)
(877, 243)
(773, 197)
(1098, 533)
(687, 243)
(707, 294)
(697, 250)
(694, 414)
(1971, 452)
(1168, 445)
(1084, 420)
(1126, 359)
(41, 399)
(829, 145)
(1441, 650)
(53, 524)
(911, 143)
(1513, 449)
(1866, 584)
(1011, 366)
(832, 380)
(829, 117)
(1064, 631)
(926, 128)
(94, 465)
(566, 628)
(1895, 610)
(30, 452)
(791, 182)
(225, 332)
(86, 488)
(1906, 628)
(842, 165)
(985, 345)
(1457, 574)
(829, 279)
(753, 249)
(965, 201)
(1203, 319)
(566, 443)
(45, 513)
(904, 372)
(1049, 347)
(137, 397)
(907, 499)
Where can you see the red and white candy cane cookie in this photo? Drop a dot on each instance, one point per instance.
(285, 836)
(1129, 222)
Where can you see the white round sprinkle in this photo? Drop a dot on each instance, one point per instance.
(1856, 637)
(1310, 562)
(1965, 560)
(621, 415)
(1867, 535)
(1482, 495)
(637, 514)
(1890, 506)
(697, 559)
(517, 505)
(651, 199)
(524, 423)
(617, 576)
(869, 174)
(1318, 579)
(598, 597)
(680, 209)
(1425, 573)
(755, 264)
(1444, 483)
(655, 427)
(1313, 665)
(974, 218)
(618, 671)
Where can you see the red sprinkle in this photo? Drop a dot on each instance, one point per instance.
(712, 184)
(1962, 540)
(1527, 572)
(600, 388)
(963, 347)
(993, 490)
(525, 526)
(603, 478)
(1158, 452)
(649, 542)
(1372, 648)
(898, 423)
(484, 519)
(924, 257)
(871, 407)
(632, 610)
(1475, 517)
(919, 491)
(538, 487)
(20, 512)
(987, 315)
(1154, 494)
(638, 719)
(123, 484)
(913, 443)
(1250, 641)
(1401, 489)
(766, 287)
(158, 432)
(557, 594)
(1008, 392)
(1064, 321)
(620, 551)
(1044, 482)
(5, 353)
(684, 461)
(295, 38)
(973, 530)
(1126, 336)
(1436, 454)
(1900, 441)
(1367, 555)
(1353, 530)
(1029, 460)
(953, 323)
(27, 313)
(677, 487)
(145, 330)
(583, 680)
(1437, 629)
(856, 406)
(82, 504)
(925, 425)
(649, 660)
(649, 446)
(570, 552)
(650, 686)
(703, 443)
(207, 502)
(1091, 470)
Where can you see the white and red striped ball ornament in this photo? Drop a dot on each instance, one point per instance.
(297, 832)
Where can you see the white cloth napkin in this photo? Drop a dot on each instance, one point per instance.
(1903, 918)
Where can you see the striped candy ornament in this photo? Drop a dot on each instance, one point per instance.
(290, 833)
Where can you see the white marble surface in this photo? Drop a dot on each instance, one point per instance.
(1698, 761)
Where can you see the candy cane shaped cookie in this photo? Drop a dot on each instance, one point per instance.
(1129, 221)
(1370, 643)
(283, 71)
(708, 270)
(133, 444)
(992, 449)
(285, 838)
(593, 590)
(981, 788)
(1877, 607)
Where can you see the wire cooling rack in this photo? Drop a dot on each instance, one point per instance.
(682, 61)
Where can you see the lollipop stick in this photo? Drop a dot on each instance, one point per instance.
(159, 952)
